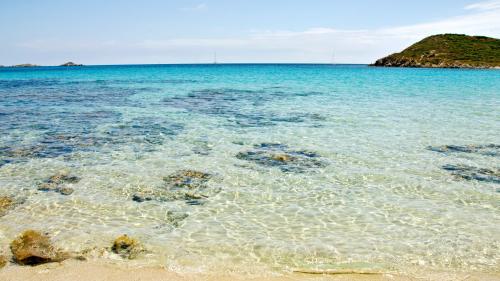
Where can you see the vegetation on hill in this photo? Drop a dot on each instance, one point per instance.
(448, 50)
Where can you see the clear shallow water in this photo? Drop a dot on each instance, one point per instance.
(362, 189)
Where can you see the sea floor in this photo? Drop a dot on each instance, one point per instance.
(256, 168)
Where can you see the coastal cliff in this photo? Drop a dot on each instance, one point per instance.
(447, 51)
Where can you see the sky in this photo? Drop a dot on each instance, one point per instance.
(52, 32)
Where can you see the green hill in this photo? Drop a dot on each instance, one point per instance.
(448, 50)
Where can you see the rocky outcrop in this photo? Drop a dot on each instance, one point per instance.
(126, 247)
(70, 63)
(33, 247)
(447, 51)
(423, 61)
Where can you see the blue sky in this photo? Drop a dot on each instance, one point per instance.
(153, 31)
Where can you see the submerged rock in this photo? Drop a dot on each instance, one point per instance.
(146, 131)
(32, 248)
(241, 108)
(6, 203)
(3, 261)
(484, 149)
(188, 185)
(141, 197)
(126, 247)
(65, 190)
(51, 146)
(202, 147)
(56, 183)
(191, 197)
(280, 156)
(474, 173)
(154, 194)
(63, 177)
(47, 186)
(187, 179)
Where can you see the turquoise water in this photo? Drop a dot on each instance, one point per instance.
(306, 166)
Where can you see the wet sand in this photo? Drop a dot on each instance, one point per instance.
(121, 271)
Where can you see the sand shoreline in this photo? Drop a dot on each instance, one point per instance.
(122, 271)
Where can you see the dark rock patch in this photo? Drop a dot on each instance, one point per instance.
(474, 173)
(202, 147)
(65, 117)
(189, 179)
(147, 131)
(163, 195)
(65, 190)
(241, 108)
(142, 197)
(142, 134)
(187, 185)
(59, 134)
(63, 177)
(483, 149)
(57, 183)
(280, 156)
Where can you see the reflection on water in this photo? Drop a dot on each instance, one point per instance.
(250, 168)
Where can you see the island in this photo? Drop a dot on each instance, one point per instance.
(447, 51)
(25, 65)
(71, 64)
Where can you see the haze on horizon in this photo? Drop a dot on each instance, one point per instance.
(153, 31)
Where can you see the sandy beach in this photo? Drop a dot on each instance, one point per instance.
(121, 271)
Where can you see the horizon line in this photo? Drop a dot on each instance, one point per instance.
(204, 63)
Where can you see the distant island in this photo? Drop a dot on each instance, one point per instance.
(71, 64)
(447, 51)
(25, 65)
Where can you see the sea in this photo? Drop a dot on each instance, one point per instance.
(257, 167)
